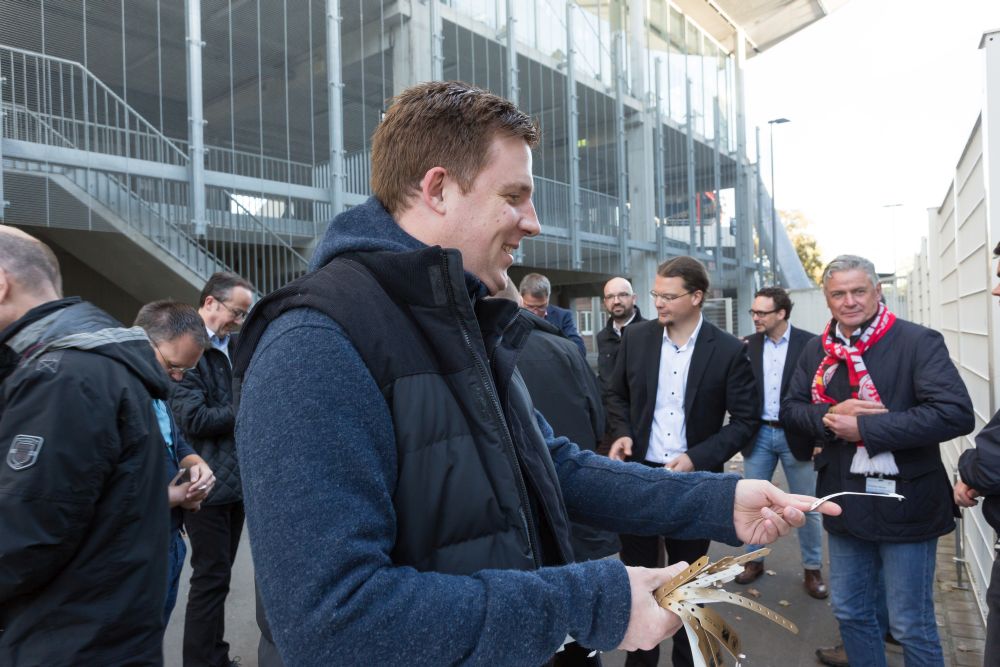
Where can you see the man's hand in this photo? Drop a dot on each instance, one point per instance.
(621, 448)
(965, 495)
(681, 464)
(202, 479)
(854, 407)
(649, 623)
(762, 512)
(176, 493)
(843, 426)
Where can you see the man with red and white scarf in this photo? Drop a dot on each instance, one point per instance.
(879, 394)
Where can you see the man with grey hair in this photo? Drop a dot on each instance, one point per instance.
(202, 403)
(85, 527)
(535, 290)
(879, 394)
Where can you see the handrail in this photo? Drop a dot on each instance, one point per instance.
(39, 118)
(93, 79)
(267, 230)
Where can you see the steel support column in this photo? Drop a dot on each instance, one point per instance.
(196, 117)
(513, 90)
(437, 56)
(745, 265)
(659, 171)
(572, 129)
(692, 195)
(623, 213)
(335, 102)
(717, 169)
(3, 202)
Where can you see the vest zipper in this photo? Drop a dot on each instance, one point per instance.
(512, 456)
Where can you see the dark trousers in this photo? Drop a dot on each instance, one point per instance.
(644, 551)
(992, 651)
(214, 532)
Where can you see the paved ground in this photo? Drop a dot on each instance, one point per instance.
(764, 643)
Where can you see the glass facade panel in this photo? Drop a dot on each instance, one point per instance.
(121, 90)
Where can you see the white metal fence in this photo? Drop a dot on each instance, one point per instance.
(949, 290)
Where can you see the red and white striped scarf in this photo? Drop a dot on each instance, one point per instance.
(862, 386)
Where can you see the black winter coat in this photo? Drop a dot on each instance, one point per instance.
(202, 404)
(928, 404)
(980, 469)
(564, 390)
(608, 343)
(84, 523)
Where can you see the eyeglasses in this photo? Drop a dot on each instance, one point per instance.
(666, 297)
(761, 313)
(171, 367)
(236, 312)
(621, 296)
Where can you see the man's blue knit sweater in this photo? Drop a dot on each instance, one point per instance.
(318, 457)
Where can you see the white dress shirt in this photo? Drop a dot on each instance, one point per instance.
(775, 355)
(668, 437)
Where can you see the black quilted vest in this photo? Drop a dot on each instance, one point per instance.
(476, 487)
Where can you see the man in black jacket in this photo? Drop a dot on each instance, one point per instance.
(619, 301)
(675, 379)
(203, 405)
(773, 351)
(84, 526)
(880, 394)
(979, 469)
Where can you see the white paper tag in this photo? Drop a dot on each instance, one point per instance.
(880, 485)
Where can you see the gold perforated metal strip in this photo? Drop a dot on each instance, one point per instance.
(697, 636)
(680, 579)
(704, 579)
(711, 622)
(729, 561)
(708, 595)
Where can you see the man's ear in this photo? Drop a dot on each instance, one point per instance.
(432, 189)
(700, 296)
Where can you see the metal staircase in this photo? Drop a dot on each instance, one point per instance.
(62, 124)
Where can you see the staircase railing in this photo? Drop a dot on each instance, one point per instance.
(58, 102)
(81, 107)
(274, 259)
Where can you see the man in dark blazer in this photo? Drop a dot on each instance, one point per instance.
(773, 351)
(535, 290)
(675, 379)
(880, 394)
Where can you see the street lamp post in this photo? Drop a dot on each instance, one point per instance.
(774, 209)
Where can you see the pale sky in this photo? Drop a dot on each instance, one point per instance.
(882, 95)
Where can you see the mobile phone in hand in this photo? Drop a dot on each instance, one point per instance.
(183, 476)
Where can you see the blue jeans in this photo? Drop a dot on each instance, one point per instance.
(908, 570)
(769, 448)
(175, 563)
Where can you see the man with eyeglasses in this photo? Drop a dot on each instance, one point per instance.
(619, 301)
(83, 516)
(535, 290)
(178, 337)
(774, 349)
(202, 402)
(675, 379)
